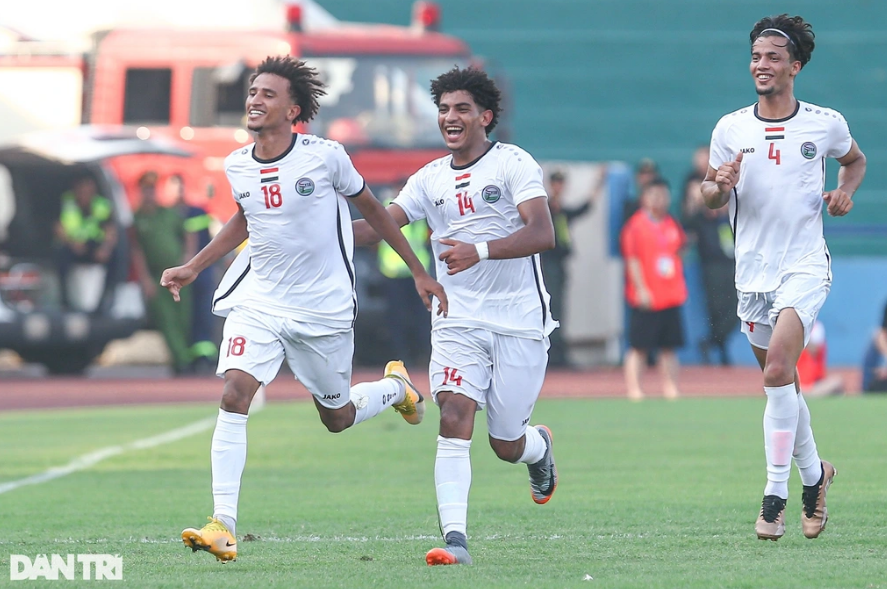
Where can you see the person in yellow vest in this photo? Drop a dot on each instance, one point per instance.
(408, 320)
(85, 232)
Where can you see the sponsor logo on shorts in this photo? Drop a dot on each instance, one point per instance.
(331, 397)
(305, 186)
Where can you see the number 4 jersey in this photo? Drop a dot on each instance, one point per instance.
(300, 238)
(474, 203)
(776, 207)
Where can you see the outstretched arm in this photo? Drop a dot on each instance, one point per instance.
(383, 224)
(232, 234)
(537, 235)
(365, 235)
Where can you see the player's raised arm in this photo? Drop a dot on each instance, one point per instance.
(232, 234)
(537, 235)
(384, 225)
(839, 201)
(719, 183)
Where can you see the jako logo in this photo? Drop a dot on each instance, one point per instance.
(93, 566)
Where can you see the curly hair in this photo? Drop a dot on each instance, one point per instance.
(799, 32)
(305, 85)
(474, 81)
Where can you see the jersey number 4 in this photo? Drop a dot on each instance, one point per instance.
(774, 154)
(273, 198)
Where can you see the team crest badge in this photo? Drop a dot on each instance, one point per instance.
(305, 186)
(491, 194)
(808, 150)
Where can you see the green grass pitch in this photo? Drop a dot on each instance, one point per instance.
(651, 495)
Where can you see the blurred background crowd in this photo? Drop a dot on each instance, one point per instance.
(119, 175)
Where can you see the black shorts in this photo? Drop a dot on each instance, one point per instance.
(649, 330)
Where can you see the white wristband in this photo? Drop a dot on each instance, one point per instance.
(483, 250)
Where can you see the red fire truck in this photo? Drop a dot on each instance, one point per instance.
(189, 86)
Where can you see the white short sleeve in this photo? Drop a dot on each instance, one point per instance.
(524, 178)
(719, 154)
(840, 140)
(345, 177)
(411, 197)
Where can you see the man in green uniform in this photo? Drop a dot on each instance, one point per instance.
(160, 244)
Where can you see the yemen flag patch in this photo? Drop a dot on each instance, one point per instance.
(269, 175)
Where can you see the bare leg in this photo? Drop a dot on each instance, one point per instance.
(634, 364)
(668, 366)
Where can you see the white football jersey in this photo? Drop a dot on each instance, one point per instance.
(300, 237)
(776, 207)
(474, 203)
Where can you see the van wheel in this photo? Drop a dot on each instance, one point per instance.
(63, 360)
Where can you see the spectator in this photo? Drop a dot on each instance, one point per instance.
(554, 260)
(655, 288)
(197, 222)
(710, 229)
(646, 172)
(86, 234)
(160, 243)
(812, 367)
(408, 320)
(874, 367)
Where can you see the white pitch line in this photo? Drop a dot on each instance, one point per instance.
(93, 458)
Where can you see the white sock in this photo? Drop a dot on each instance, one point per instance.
(780, 425)
(228, 456)
(805, 454)
(534, 447)
(371, 398)
(452, 477)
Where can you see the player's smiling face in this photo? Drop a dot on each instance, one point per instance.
(462, 122)
(772, 67)
(268, 104)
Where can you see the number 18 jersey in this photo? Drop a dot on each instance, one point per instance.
(300, 237)
(776, 207)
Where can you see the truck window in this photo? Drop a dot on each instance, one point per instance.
(147, 98)
(218, 95)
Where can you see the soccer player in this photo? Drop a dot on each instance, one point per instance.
(768, 161)
(296, 299)
(487, 208)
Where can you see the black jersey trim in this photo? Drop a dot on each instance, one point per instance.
(760, 118)
(278, 158)
(233, 286)
(536, 272)
(735, 218)
(356, 194)
(471, 163)
(347, 264)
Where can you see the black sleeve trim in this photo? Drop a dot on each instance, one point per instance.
(356, 194)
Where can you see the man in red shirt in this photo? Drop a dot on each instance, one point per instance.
(654, 287)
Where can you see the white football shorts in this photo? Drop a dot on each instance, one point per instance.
(758, 311)
(501, 373)
(257, 344)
